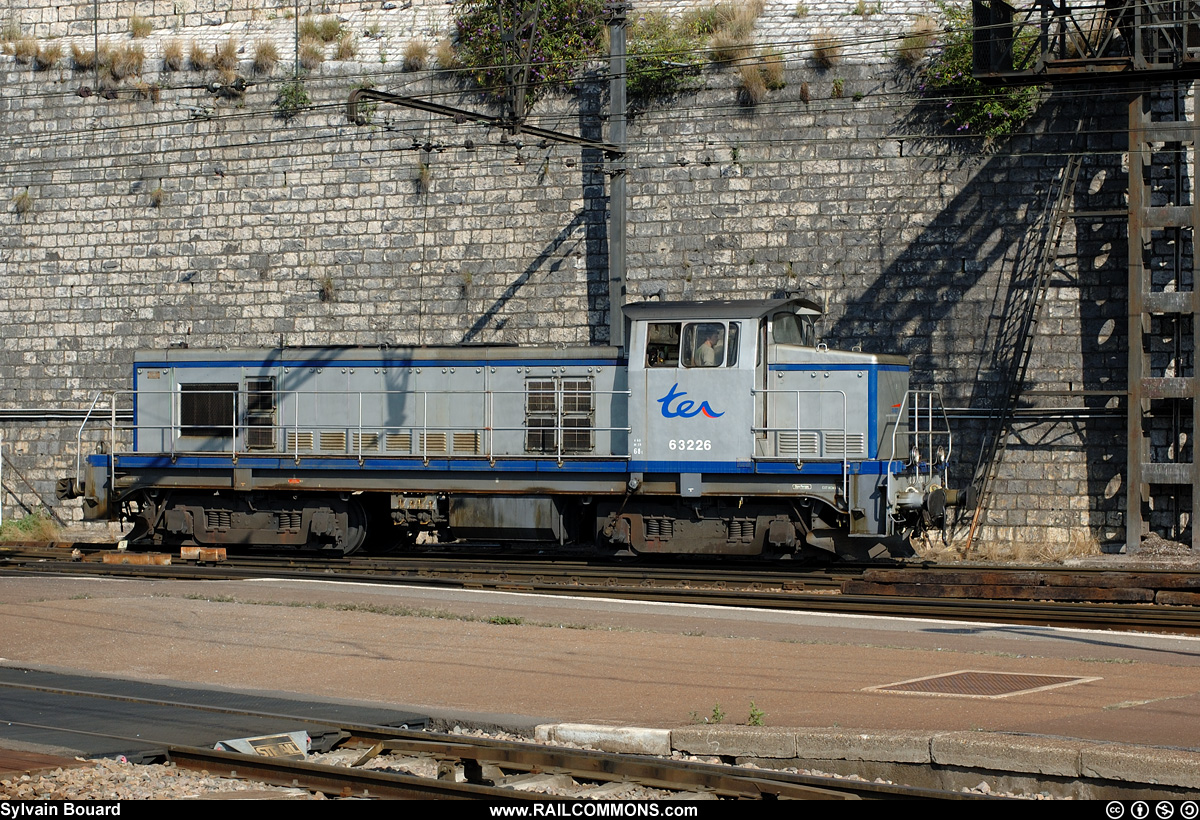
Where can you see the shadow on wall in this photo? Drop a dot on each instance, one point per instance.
(593, 219)
(950, 298)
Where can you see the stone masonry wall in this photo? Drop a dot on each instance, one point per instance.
(175, 214)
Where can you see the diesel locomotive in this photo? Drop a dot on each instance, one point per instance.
(720, 428)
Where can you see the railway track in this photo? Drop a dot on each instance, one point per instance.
(384, 762)
(1142, 600)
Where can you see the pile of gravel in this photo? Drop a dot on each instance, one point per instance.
(116, 780)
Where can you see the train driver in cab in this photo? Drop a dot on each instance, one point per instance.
(708, 351)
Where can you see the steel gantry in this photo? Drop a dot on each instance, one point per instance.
(1142, 45)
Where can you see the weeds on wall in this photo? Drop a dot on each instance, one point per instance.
(970, 107)
(312, 54)
(84, 59)
(826, 50)
(752, 87)
(140, 27)
(157, 196)
(346, 48)
(416, 55)
(326, 291)
(47, 56)
(322, 30)
(917, 42)
(423, 180)
(173, 55)
(125, 62)
(22, 203)
(447, 56)
(291, 100)
(23, 50)
(225, 58)
(200, 57)
(266, 57)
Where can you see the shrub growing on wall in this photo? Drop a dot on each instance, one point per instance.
(567, 34)
(970, 106)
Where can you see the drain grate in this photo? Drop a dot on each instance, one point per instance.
(970, 683)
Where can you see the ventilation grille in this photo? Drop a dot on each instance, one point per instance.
(466, 442)
(798, 445)
(299, 441)
(540, 396)
(855, 444)
(365, 442)
(334, 442)
(433, 442)
(398, 442)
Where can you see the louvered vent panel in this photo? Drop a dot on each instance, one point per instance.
(433, 442)
(466, 442)
(855, 444)
(299, 441)
(366, 442)
(398, 442)
(333, 442)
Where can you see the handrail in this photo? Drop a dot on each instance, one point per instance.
(421, 426)
(844, 430)
(79, 438)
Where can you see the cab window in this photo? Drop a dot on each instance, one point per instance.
(791, 329)
(704, 344)
(662, 344)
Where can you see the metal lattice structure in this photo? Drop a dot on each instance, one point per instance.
(1052, 42)
(1144, 45)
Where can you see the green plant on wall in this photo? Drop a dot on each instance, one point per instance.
(292, 99)
(970, 106)
(565, 35)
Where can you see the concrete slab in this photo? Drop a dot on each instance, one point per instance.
(863, 744)
(618, 739)
(1005, 752)
(1141, 764)
(735, 741)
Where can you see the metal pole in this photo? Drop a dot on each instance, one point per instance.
(617, 168)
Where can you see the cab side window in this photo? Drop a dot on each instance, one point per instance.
(704, 344)
(662, 344)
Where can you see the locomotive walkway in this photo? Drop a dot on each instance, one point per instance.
(1068, 703)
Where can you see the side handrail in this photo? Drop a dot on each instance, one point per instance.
(79, 437)
(843, 430)
(289, 443)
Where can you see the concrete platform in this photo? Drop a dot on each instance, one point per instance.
(1121, 705)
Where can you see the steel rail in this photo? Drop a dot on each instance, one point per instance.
(1114, 616)
(473, 753)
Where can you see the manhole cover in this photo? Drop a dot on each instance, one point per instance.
(969, 683)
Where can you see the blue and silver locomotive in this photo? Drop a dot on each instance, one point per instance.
(722, 428)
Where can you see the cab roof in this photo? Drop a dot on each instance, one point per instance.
(721, 309)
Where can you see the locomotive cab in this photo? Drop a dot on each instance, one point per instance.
(737, 405)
